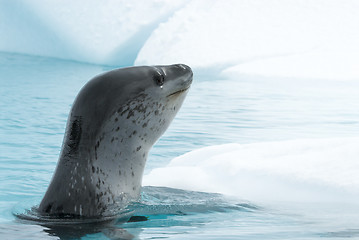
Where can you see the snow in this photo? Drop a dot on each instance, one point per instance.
(295, 170)
(339, 64)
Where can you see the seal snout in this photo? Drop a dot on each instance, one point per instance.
(188, 77)
(182, 76)
(186, 74)
(186, 70)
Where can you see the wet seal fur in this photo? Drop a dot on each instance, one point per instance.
(114, 121)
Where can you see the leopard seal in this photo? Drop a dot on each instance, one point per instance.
(113, 123)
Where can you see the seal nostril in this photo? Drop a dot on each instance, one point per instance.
(183, 66)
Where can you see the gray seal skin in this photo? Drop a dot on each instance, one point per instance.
(114, 121)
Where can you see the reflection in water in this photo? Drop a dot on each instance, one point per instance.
(159, 206)
(77, 231)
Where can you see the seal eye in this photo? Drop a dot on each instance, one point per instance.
(159, 79)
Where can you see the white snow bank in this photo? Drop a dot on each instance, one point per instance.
(311, 39)
(297, 170)
(339, 64)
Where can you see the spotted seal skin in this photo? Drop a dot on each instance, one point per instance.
(113, 123)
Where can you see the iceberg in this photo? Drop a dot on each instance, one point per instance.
(306, 39)
(110, 32)
(280, 38)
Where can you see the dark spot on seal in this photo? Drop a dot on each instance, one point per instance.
(113, 138)
(134, 132)
(60, 208)
(133, 174)
(131, 113)
(48, 208)
(146, 115)
(119, 172)
(156, 112)
(117, 129)
(123, 112)
(93, 169)
(140, 108)
(116, 119)
(144, 125)
(138, 148)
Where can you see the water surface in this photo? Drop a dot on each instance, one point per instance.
(36, 94)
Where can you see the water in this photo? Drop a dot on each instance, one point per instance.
(36, 94)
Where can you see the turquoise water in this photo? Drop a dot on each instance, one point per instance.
(36, 94)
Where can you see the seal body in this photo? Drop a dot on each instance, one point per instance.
(114, 121)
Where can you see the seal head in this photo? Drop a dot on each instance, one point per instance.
(114, 121)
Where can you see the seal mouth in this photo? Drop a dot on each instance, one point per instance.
(179, 91)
